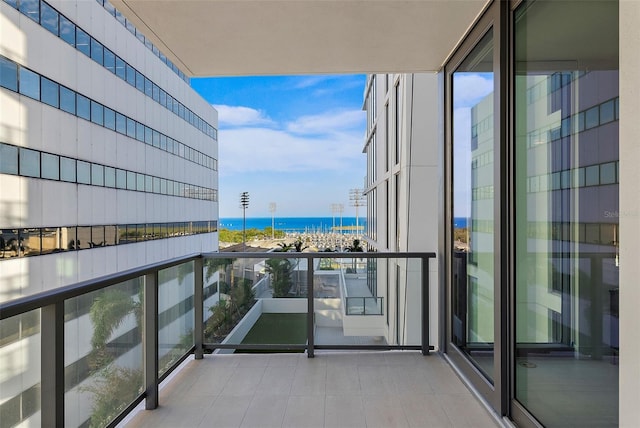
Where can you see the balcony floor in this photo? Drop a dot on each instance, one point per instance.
(348, 389)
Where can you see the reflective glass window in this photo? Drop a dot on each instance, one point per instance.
(131, 128)
(148, 183)
(97, 113)
(83, 238)
(139, 131)
(139, 81)
(156, 139)
(97, 175)
(8, 159)
(592, 117)
(97, 236)
(156, 184)
(30, 8)
(121, 124)
(83, 42)
(68, 238)
(8, 74)
(121, 179)
(67, 100)
(131, 75)
(163, 186)
(109, 60)
(12, 3)
(49, 93)
(163, 97)
(110, 235)
(148, 87)
(29, 83)
(148, 135)
(120, 68)
(67, 169)
(156, 93)
(109, 118)
(51, 239)
(67, 31)
(84, 172)
(50, 166)
(607, 112)
(49, 18)
(97, 51)
(29, 163)
(163, 142)
(140, 182)
(30, 242)
(83, 107)
(109, 176)
(131, 180)
(608, 173)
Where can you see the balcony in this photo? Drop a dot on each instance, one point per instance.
(89, 353)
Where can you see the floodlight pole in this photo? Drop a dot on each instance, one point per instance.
(272, 210)
(244, 202)
(356, 196)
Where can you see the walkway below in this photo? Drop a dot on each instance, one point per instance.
(350, 389)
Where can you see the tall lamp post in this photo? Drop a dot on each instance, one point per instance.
(356, 197)
(272, 210)
(244, 203)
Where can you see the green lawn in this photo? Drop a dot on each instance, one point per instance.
(286, 329)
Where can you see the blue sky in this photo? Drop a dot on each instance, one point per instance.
(293, 140)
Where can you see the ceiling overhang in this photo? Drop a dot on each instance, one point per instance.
(266, 37)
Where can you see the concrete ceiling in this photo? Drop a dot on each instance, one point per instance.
(264, 37)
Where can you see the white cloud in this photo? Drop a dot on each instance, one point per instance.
(470, 88)
(252, 150)
(328, 123)
(241, 116)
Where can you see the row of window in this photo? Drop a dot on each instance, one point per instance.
(133, 30)
(483, 192)
(33, 163)
(38, 241)
(26, 82)
(483, 159)
(593, 117)
(60, 26)
(552, 83)
(586, 176)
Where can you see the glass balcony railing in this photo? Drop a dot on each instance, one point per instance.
(88, 353)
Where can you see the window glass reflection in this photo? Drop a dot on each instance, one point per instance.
(8, 74)
(83, 240)
(8, 159)
(83, 172)
(109, 176)
(30, 244)
(67, 169)
(83, 42)
(51, 240)
(29, 163)
(49, 18)
(31, 9)
(50, 166)
(83, 107)
(97, 51)
(67, 100)
(97, 175)
(67, 31)
(29, 83)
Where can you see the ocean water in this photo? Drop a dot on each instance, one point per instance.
(292, 224)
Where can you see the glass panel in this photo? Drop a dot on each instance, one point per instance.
(84, 172)
(121, 179)
(8, 159)
(109, 176)
(121, 124)
(30, 8)
(29, 163)
(175, 314)
(131, 75)
(473, 207)
(67, 169)
(109, 60)
(120, 68)
(109, 118)
(67, 31)
(67, 100)
(83, 107)
(50, 166)
(20, 382)
(103, 353)
(97, 175)
(29, 83)
(131, 180)
(83, 238)
(566, 276)
(8, 74)
(52, 240)
(97, 113)
(97, 51)
(83, 42)
(30, 242)
(110, 235)
(49, 92)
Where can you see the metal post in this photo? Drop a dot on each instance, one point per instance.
(198, 310)
(310, 310)
(425, 305)
(52, 364)
(150, 340)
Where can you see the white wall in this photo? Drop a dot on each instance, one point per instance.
(629, 374)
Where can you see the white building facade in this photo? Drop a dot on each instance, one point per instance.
(108, 161)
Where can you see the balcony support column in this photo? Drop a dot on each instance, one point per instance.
(52, 363)
(198, 309)
(150, 340)
(310, 310)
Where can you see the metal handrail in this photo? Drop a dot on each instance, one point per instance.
(51, 303)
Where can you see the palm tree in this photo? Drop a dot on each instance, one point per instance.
(298, 245)
(280, 271)
(355, 247)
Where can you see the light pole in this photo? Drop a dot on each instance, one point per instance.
(356, 197)
(272, 209)
(334, 209)
(244, 203)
